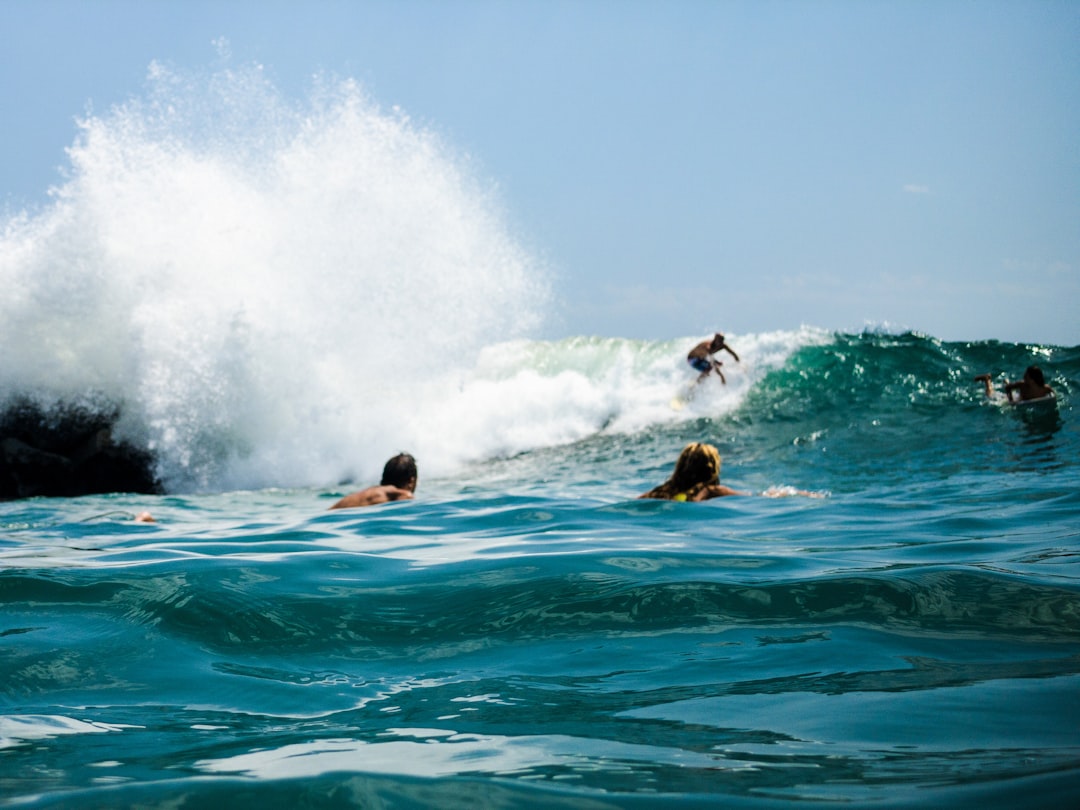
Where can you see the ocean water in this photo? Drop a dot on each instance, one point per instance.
(526, 633)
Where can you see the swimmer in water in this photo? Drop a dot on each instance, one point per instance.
(1032, 386)
(398, 484)
(697, 478)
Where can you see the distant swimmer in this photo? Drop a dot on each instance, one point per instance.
(1032, 386)
(701, 357)
(398, 484)
(697, 478)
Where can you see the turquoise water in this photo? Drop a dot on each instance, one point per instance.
(527, 633)
(278, 295)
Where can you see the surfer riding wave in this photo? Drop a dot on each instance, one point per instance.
(701, 357)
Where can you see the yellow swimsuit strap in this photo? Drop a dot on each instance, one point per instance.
(681, 496)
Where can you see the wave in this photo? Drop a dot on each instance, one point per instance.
(268, 293)
(260, 286)
(384, 609)
(856, 370)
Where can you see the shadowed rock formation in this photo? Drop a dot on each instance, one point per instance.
(68, 450)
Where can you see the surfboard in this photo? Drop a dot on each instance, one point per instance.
(1049, 399)
(1003, 401)
(682, 399)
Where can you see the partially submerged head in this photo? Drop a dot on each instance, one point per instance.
(698, 465)
(1035, 375)
(696, 471)
(400, 471)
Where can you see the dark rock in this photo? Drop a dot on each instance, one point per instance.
(67, 449)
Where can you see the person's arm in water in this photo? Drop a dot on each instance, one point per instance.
(374, 495)
(717, 491)
(1025, 389)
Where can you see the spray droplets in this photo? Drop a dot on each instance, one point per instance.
(259, 280)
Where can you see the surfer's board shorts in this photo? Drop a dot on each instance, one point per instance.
(699, 364)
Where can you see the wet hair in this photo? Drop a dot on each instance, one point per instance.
(698, 467)
(1035, 374)
(399, 471)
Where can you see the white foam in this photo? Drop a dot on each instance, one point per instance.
(265, 285)
(522, 395)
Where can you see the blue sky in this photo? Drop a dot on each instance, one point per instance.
(682, 166)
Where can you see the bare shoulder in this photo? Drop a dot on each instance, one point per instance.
(365, 497)
(372, 496)
(718, 491)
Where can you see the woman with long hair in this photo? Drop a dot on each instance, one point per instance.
(697, 478)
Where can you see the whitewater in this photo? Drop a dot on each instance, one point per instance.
(276, 295)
